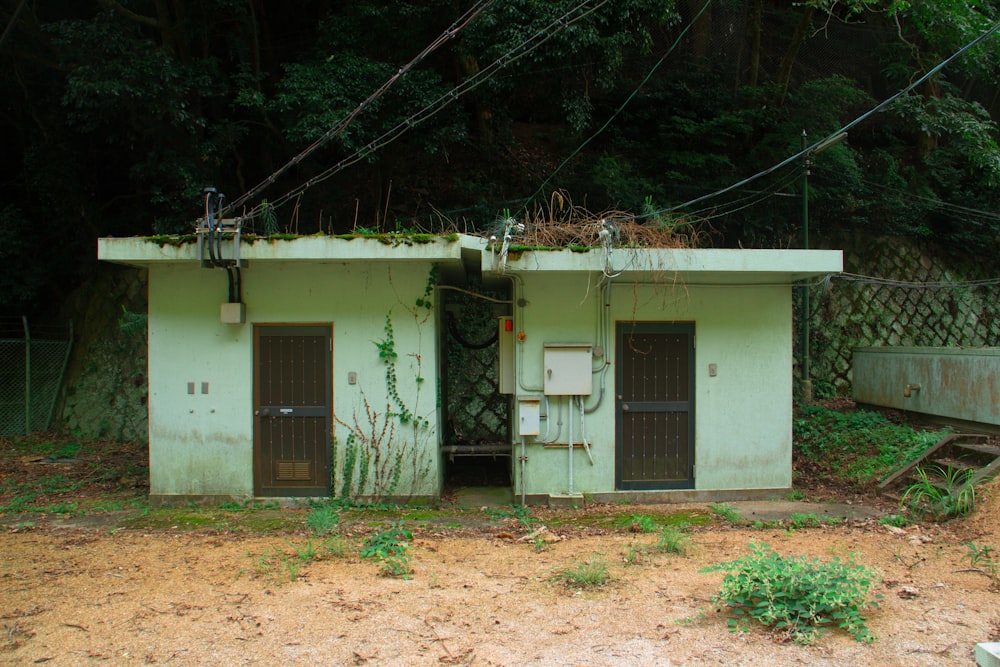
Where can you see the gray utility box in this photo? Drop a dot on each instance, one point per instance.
(568, 369)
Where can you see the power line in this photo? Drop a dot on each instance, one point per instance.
(571, 17)
(937, 203)
(753, 197)
(797, 156)
(907, 284)
(622, 106)
(452, 30)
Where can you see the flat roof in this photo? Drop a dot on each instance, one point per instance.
(695, 265)
(706, 265)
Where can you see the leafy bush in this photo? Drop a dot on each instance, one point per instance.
(796, 595)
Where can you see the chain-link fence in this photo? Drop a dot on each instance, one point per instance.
(32, 363)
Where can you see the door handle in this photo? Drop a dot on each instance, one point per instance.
(263, 412)
(624, 407)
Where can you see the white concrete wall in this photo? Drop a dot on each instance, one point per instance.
(203, 444)
(743, 415)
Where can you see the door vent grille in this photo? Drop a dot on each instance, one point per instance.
(293, 471)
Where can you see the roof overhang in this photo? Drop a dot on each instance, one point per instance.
(693, 266)
(148, 251)
(462, 255)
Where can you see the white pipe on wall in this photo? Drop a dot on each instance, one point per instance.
(524, 459)
(583, 429)
(570, 449)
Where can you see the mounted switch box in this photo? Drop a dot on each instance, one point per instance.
(505, 361)
(529, 416)
(568, 369)
(233, 313)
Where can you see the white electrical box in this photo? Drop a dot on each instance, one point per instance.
(529, 416)
(568, 369)
(233, 313)
(505, 362)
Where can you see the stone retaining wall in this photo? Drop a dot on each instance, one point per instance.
(899, 309)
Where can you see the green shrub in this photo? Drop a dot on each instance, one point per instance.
(389, 548)
(795, 595)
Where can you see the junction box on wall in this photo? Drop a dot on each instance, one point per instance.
(568, 369)
(505, 363)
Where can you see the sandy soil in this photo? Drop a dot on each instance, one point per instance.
(478, 596)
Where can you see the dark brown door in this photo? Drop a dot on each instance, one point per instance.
(654, 429)
(292, 408)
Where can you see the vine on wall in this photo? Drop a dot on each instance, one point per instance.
(381, 445)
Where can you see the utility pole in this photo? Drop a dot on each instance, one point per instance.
(807, 385)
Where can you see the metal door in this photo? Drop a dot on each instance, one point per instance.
(654, 429)
(292, 408)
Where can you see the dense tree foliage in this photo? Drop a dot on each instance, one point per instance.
(116, 113)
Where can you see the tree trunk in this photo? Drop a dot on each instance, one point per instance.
(756, 26)
(466, 66)
(701, 31)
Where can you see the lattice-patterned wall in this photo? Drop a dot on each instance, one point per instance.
(848, 312)
(477, 413)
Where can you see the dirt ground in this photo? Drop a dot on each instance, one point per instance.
(94, 592)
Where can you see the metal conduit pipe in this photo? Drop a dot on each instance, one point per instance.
(583, 429)
(548, 424)
(570, 450)
(604, 339)
(523, 460)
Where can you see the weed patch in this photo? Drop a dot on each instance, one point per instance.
(940, 493)
(796, 596)
(854, 448)
(726, 512)
(673, 540)
(323, 519)
(590, 573)
(389, 549)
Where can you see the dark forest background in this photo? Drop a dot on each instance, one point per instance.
(115, 114)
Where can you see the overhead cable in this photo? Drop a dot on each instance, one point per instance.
(571, 17)
(444, 37)
(622, 106)
(797, 156)
(908, 284)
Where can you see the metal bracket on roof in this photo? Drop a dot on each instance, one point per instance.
(213, 228)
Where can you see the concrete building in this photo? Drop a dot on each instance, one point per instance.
(664, 374)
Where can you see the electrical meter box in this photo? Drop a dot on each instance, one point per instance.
(529, 416)
(568, 369)
(505, 362)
